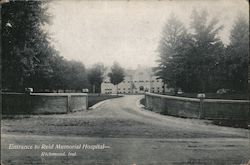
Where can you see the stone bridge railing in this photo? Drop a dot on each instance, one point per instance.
(198, 108)
(43, 103)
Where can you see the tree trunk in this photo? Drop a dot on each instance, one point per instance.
(117, 89)
(163, 91)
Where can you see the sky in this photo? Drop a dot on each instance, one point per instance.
(127, 32)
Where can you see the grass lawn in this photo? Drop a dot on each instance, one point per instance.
(93, 99)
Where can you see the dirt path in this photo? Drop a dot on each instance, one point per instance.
(133, 134)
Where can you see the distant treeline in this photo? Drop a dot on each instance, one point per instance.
(194, 59)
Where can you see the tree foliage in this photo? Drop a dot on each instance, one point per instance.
(206, 50)
(25, 46)
(197, 60)
(28, 59)
(173, 35)
(96, 76)
(117, 74)
(237, 55)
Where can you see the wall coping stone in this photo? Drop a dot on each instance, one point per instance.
(197, 100)
(59, 94)
(173, 97)
(46, 94)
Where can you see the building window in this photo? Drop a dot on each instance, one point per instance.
(153, 81)
(141, 88)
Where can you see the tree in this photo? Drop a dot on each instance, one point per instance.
(172, 38)
(28, 59)
(68, 74)
(116, 75)
(59, 67)
(25, 46)
(190, 60)
(237, 55)
(172, 34)
(76, 75)
(96, 76)
(206, 50)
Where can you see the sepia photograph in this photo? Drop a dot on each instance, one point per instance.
(125, 82)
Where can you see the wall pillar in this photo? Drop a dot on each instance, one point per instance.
(68, 103)
(201, 110)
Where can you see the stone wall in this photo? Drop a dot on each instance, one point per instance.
(15, 103)
(78, 102)
(226, 109)
(43, 103)
(196, 108)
